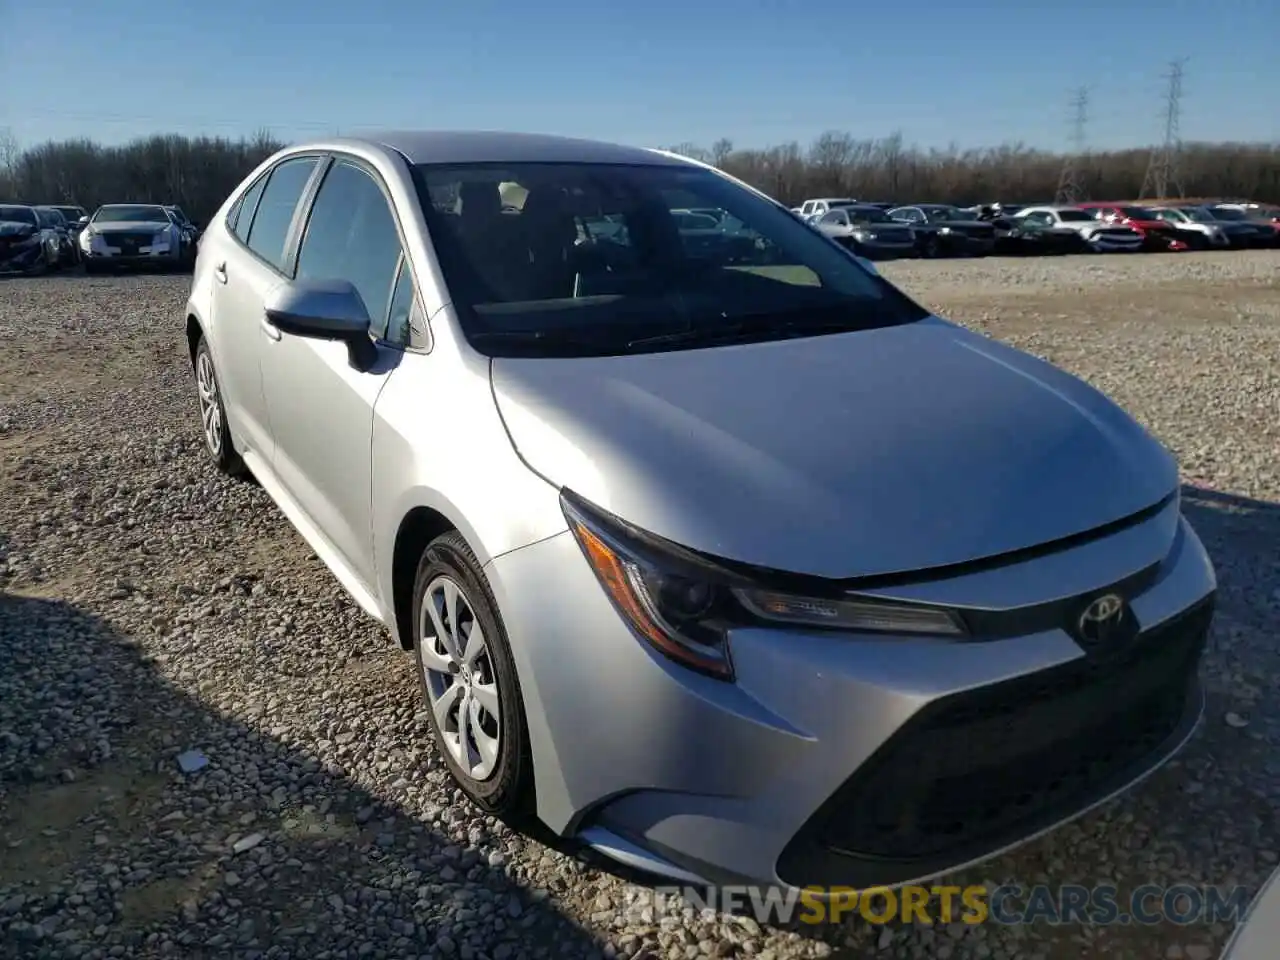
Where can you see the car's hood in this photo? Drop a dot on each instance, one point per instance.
(838, 456)
(15, 228)
(962, 224)
(129, 226)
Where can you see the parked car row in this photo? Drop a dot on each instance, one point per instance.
(38, 238)
(885, 231)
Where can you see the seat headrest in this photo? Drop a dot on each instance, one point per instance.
(480, 199)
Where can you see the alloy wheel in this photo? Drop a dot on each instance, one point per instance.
(461, 683)
(210, 405)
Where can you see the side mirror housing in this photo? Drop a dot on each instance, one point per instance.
(324, 310)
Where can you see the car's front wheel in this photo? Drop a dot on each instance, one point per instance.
(213, 414)
(469, 679)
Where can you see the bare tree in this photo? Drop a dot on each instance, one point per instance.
(200, 172)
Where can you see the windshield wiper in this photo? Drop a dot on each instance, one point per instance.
(790, 323)
(549, 339)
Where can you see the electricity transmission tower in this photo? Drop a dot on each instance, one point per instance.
(1070, 183)
(1163, 177)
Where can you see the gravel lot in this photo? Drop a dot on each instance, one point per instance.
(150, 607)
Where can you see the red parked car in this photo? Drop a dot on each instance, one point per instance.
(1157, 235)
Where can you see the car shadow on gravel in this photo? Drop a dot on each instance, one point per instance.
(1241, 534)
(108, 846)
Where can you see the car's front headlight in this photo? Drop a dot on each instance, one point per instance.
(86, 239)
(684, 604)
(944, 231)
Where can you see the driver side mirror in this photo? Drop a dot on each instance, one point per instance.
(324, 310)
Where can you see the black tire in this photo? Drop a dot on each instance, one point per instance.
(507, 791)
(930, 248)
(223, 452)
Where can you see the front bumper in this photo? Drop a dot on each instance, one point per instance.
(15, 260)
(879, 250)
(862, 761)
(967, 245)
(112, 258)
(1113, 245)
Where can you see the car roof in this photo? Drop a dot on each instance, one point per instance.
(487, 146)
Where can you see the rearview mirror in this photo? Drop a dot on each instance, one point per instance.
(324, 310)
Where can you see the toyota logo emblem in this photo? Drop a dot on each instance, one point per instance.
(1101, 619)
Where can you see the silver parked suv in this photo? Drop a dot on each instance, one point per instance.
(730, 560)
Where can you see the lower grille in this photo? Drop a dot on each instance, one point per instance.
(129, 240)
(995, 761)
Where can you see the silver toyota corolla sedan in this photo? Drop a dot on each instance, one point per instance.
(728, 559)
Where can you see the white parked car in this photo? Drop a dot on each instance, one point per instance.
(1102, 237)
(811, 210)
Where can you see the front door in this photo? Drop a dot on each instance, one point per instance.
(321, 408)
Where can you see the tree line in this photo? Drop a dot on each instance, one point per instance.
(198, 173)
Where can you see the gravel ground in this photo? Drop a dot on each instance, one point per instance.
(150, 607)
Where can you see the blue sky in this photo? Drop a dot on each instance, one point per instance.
(653, 72)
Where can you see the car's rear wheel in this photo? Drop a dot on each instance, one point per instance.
(213, 415)
(469, 679)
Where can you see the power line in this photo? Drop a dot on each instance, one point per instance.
(1163, 176)
(1070, 183)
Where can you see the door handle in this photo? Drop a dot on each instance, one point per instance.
(270, 329)
(220, 272)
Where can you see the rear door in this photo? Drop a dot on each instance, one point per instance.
(249, 263)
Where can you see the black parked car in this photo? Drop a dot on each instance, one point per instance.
(76, 216)
(943, 230)
(28, 243)
(68, 252)
(190, 232)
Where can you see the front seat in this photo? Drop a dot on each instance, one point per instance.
(489, 241)
(550, 233)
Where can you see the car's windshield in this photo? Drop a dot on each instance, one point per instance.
(1138, 213)
(1223, 213)
(1074, 216)
(18, 214)
(1198, 214)
(131, 213)
(54, 215)
(869, 215)
(1165, 214)
(589, 258)
(70, 213)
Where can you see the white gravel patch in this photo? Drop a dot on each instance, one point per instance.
(150, 607)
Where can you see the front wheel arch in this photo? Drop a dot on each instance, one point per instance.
(195, 333)
(420, 527)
